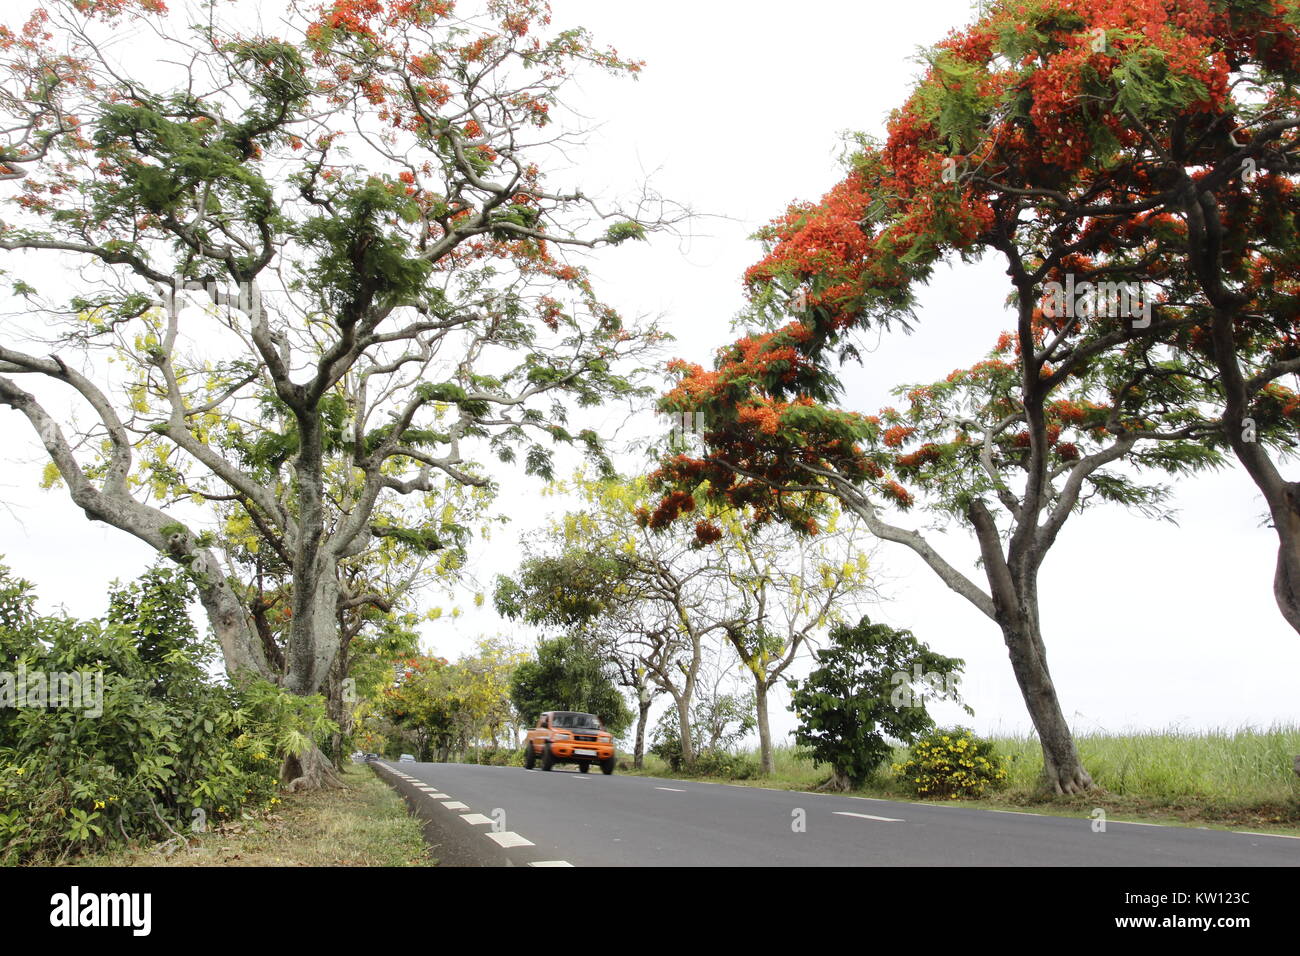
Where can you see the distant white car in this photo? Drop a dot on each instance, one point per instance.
(406, 758)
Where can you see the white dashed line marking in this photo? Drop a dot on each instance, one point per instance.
(476, 819)
(454, 805)
(508, 839)
(1134, 823)
(670, 789)
(867, 816)
(551, 863)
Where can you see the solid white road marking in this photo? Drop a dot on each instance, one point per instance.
(1134, 823)
(1281, 836)
(454, 805)
(508, 839)
(868, 816)
(475, 819)
(551, 863)
(670, 789)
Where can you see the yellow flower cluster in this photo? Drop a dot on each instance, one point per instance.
(950, 766)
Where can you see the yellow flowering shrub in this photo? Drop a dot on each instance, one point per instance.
(951, 762)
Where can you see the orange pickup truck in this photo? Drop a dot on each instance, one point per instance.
(562, 736)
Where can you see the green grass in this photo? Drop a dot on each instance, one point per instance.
(1238, 777)
(364, 825)
(1233, 766)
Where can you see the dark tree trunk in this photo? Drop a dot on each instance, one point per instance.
(310, 770)
(337, 708)
(767, 761)
(1013, 584)
(643, 715)
(1205, 235)
(1063, 771)
(1286, 582)
(684, 728)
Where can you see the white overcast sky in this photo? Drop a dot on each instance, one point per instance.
(740, 110)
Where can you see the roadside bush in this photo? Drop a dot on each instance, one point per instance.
(153, 749)
(666, 743)
(718, 724)
(499, 757)
(709, 761)
(952, 762)
(721, 763)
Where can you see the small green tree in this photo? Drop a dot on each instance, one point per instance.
(871, 684)
(567, 675)
(719, 721)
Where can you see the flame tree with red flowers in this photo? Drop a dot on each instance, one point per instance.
(1149, 149)
(1157, 150)
(961, 448)
(1035, 136)
(381, 161)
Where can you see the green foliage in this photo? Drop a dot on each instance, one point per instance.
(568, 675)
(359, 263)
(497, 757)
(438, 710)
(161, 748)
(952, 762)
(718, 724)
(623, 231)
(571, 589)
(864, 690)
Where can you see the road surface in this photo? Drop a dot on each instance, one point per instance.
(510, 816)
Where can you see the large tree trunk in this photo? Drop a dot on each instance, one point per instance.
(643, 715)
(1063, 771)
(1282, 496)
(337, 708)
(1286, 581)
(1013, 584)
(1205, 236)
(310, 770)
(314, 638)
(684, 729)
(241, 646)
(767, 761)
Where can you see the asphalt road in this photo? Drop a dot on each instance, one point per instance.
(510, 816)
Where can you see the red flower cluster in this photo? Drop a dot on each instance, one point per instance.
(894, 437)
(706, 532)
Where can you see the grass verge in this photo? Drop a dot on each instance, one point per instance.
(1242, 779)
(363, 825)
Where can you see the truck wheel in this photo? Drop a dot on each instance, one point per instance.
(548, 758)
(584, 767)
(607, 766)
(530, 756)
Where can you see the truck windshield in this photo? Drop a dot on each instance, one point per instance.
(576, 721)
